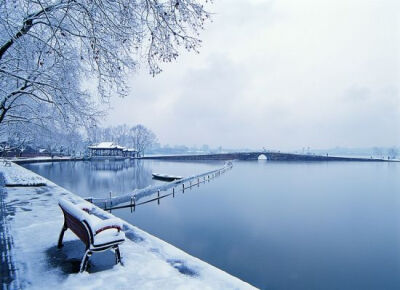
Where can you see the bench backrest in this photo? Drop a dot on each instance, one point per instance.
(76, 220)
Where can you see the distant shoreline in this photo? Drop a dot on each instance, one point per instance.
(268, 155)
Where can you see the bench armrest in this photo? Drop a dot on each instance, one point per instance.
(86, 206)
(103, 225)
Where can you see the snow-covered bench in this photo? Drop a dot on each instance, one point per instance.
(97, 234)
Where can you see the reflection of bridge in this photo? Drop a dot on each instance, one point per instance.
(275, 156)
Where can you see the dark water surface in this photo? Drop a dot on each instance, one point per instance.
(276, 225)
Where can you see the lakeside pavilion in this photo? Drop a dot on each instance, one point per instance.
(110, 149)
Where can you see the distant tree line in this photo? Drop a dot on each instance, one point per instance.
(138, 137)
(391, 152)
(23, 141)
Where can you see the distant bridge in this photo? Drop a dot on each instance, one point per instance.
(273, 156)
(269, 155)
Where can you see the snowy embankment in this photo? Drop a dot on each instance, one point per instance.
(15, 175)
(149, 263)
(40, 159)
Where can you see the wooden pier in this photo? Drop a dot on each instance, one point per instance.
(156, 193)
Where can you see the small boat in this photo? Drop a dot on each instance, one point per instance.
(166, 177)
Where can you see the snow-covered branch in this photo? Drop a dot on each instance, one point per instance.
(49, 49)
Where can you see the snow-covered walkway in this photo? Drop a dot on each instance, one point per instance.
(34, 220)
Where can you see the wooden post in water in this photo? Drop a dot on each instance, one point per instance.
(158, 195)
(198, 182)
(173, 192)
(183, 188)
(132, 204)
(110, 201)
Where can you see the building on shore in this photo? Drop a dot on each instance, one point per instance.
(110, 149)
(130, 152)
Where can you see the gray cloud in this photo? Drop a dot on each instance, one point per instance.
(281, 74)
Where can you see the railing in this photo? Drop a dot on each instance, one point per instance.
(132, 199)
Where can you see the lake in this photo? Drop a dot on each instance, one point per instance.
(276, 225)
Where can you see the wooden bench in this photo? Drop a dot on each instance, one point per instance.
(97, 234)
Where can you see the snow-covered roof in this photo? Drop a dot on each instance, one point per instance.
(130, 149)
(111, 145)
(104, 145)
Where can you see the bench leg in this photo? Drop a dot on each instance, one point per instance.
(60, 239)
(117, 255)
(85, 261)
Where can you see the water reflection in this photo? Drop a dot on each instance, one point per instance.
(116, 165)
(97, 178)
(277, 225)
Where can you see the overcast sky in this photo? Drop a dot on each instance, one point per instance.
(279, 74)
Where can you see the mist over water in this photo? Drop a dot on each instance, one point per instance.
(276, 225)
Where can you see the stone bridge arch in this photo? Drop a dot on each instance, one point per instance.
(262, 156)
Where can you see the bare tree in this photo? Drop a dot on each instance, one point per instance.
(138, 136)
(48, 47)
(15, 138)
(393, 152)
(377, 151)
(121, 135)
(142, 138)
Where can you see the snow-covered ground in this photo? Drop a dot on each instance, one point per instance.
(149, 263)
(15, 175)
(44, 158)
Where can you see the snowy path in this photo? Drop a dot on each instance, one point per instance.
(7, 269)
(149, 263)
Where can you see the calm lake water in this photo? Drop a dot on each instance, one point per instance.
(276, 225)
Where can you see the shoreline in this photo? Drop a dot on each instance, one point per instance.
(246, 156)
(35, 223)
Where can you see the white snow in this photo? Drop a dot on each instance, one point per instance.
(111, 145)
(41, 158)
(111, 222)
(104, 145)
(15, 175)
(138, 194)
(149, 263)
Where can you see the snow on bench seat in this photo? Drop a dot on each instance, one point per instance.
(97, 234)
